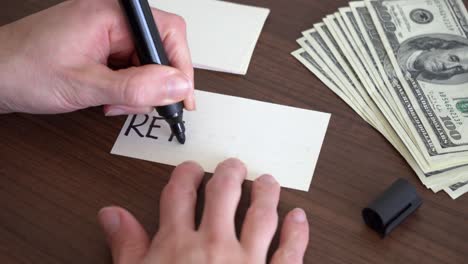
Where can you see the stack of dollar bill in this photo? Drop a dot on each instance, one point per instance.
(402, 65)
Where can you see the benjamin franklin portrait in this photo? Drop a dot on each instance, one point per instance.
(437, 58)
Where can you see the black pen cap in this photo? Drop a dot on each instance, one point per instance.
(392, 207)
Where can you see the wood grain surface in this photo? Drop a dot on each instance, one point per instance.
(56, 171)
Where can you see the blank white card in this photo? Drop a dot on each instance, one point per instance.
(270, 138)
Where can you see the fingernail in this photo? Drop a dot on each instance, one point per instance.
(115, 111)
(268, 179)
(110, 220)
(178, 86)
(299, 215)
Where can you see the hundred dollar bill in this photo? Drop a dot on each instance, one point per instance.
(312, 62)
(316, 65)
(343, 48)
(353, 42)
(427, 46)
(334, 64)
(352, 46)
(309, 57)
(457, 190)
(342, 54)
(377, 54)
(339, 33)
(357, 91)
(362, 44)
(378, 83)
(323, 35)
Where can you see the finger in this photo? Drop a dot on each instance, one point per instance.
(117, 110)
(126, 237)
(294, 239)
(172, 29)
(261, 219)
(190, 103)
(174, 35)
(179, 197)
(222, 196)
(149, 85)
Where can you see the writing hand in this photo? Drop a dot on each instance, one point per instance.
(56, 61)
(179, 242)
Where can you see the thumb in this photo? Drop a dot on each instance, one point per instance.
(148, 85)
(126, 237)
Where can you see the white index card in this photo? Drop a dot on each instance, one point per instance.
(279, 140)
(221, 35)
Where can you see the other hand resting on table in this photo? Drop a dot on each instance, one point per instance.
(178, 241)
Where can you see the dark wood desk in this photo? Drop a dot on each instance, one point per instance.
(56, 171)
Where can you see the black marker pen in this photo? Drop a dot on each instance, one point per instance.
(150, 50)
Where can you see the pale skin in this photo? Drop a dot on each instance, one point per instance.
(56, 61)
(178, 241)
(79, 54)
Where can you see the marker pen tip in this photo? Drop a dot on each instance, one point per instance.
(181, 138)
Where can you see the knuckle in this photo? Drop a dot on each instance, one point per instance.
(178, 22)
(215, 243)
(288, 255)
(131, 89)
(225, 183)
(176, 191)
(228, 176)
(268, 215)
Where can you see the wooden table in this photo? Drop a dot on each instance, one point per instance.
(56, 171)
